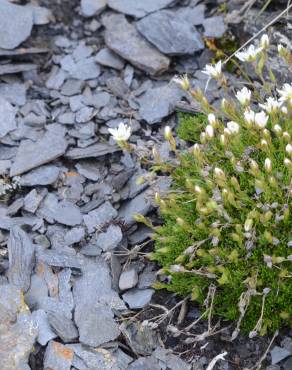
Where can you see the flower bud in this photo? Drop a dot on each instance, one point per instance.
(219, 173)
(223, 140)
(288, 163)
(155, 154)
(196, 150)
(286, 136)
(273, 181)
(289, 149)
(264, 144)
(277, 129)
(284, 110)
(157, 198)
(268, 165)
(209, 132)
(254, 167)
(167, 133)
(212, 120)
(265, 41)
(203, 138)
(266, 134)
(248, 224)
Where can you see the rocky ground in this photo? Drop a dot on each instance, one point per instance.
(75, 285)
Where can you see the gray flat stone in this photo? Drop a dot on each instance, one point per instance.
(159, 102)
(17, 329)
(45, 333)
(74, 235)
(41, 15)
(140, 204)
(108, 58)
(278, 354)
(124, 39)
(14, 93)
(53, 258)
(44, 175)
(147, 363)
(171, 35)
(89, 8)
(21, 253)
(32, 201)
(58, 356)
(110, 239)
(15, 24)
(7, 117)
(33, 154)
(96, 324)
(63, 327)
(138, 298)
(214, 27)
(139, 8)
(93, 151)
(128, 279)
(95, 219)
(38, 290)
(171, 361)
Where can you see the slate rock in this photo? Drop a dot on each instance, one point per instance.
(58, 356)
(124, 39)
(15, 24)
(21, 253)
(278, 354)
(110, 239)
(159, 102)
(90, 8)
(37, 291)
(75, 235)
(109, 59)
(57, 259)
(139, 205)
(214, 27)
(93, 151)
(170, 361)
(32, 201)
(147, 363)
(194, 16)
(14, 93)
(139, 8)
(171, 35)
(100, 216)
(287, 364)
(138, 298)
(44, 175)
(7, 116)
(96, 324)
(17, 329)
(141, 339)
(128, 279)
(63, 327)
(41, 15)
(33, 154)
(45, 333)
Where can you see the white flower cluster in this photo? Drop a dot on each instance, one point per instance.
(122, 133)
(7, 186)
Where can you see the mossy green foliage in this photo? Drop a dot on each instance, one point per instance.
(206, 238)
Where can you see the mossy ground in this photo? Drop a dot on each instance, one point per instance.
(235, 268)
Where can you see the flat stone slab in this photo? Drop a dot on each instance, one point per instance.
(171, 35)
(58, 356)
(44, 175)
(33, 154)
(7, 117)
(15, 24)
(139, 8)
(93, 151)
(159, 102)
(214, 27)
(107, 58)
(124, 39)
(138, 298)
(89, 8)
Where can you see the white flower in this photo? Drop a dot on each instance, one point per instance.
(212, 119)
(268, 165)
(265, 41)
(209, 132)
(243, 96)
(214, 71)
(182, 81)
(249, 116)
(277, 129)
(249, 54)
(286, 93)
(122, 133)
(289, 148)
(218, 172)
(284, 110)
(271, 105)
(233, 127)
(261, 119)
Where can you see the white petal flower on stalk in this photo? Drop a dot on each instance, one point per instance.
(122, 133)
(286, 93)
(268, 165)
(209, 131)
(233, 127)
(289, 149)
(249, 116)
(214, 70)
(243, 96)
(249, 55)
(265, 41)
(261, 119)
(212, 119)
(182, 81)
(272, 105)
